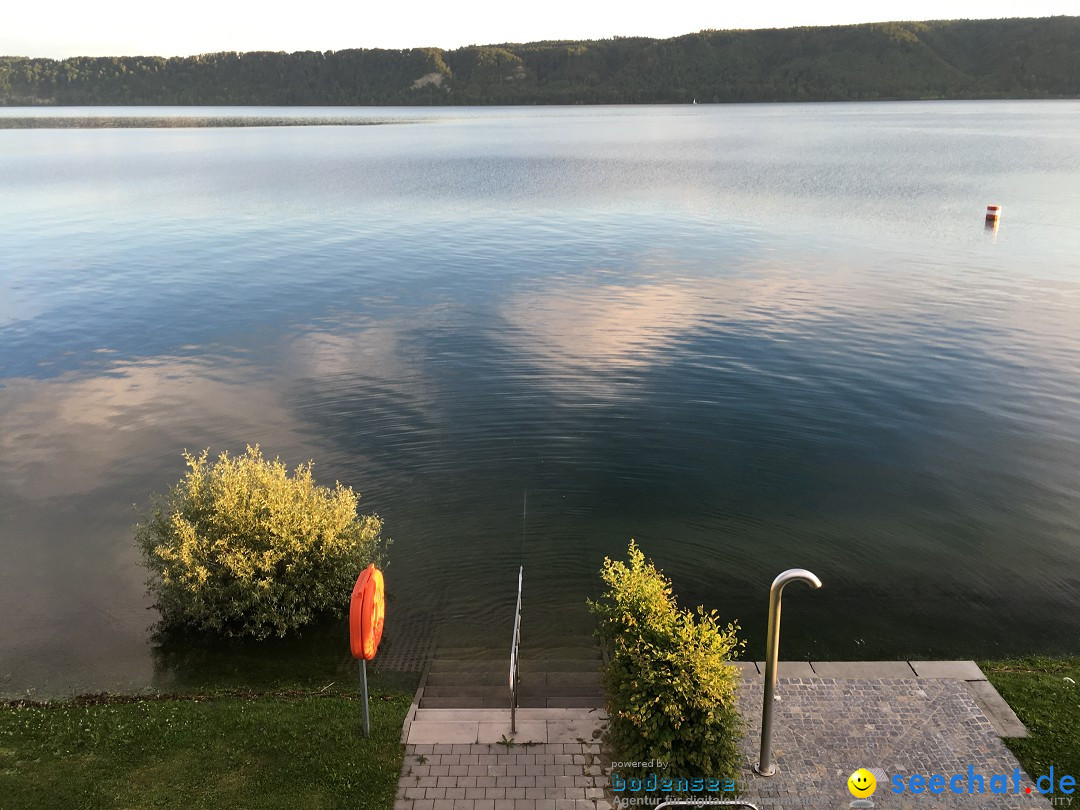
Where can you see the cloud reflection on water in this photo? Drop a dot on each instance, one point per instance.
(74, 434)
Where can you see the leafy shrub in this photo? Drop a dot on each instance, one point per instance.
(670, 691)
(240, 548)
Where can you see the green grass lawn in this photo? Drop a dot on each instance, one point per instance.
(1045, 694)
(234, 724)
(277, 749)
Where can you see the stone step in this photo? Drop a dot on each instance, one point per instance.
(590, 677)
(475, 678)
(524, 702)
(441, 664)
(464, 665)
(492, 726)
(497, 715)
(546, 690)
(583, 702)
(574, 652)
(503, 692)
(428, 702)
(460, 690)
(469, 678)
(525, 678)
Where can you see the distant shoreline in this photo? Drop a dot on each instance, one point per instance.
(1030, 58)
(184, 122)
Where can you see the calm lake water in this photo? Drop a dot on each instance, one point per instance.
(752, 337)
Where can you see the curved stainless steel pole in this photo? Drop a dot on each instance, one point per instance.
(764, 766)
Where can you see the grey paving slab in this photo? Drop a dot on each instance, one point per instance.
(789, 669)
(527, 731)
(863, 669)
(458, 702)
(462, 726)
(748, 669)
(437, 732)
(574, 730)
(465, 715)
(960, 670)
(997, 711)
(497, 715)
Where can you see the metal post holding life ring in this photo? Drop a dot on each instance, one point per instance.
(367, 611)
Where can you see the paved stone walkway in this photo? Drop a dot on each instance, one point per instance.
(826, 728)
(546, 776)
(930, 722)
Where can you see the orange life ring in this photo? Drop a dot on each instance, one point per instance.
(366, 613)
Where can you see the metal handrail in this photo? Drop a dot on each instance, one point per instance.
(705, 803)
(514, 656)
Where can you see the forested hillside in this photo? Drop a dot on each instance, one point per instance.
(1014, 58)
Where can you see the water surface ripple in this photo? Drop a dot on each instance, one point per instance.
(751, 337)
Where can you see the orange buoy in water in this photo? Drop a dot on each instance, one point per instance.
(993, 213)
(366, 613)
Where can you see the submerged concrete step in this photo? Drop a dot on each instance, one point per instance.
(596, 702)
(526, 679)
(590, 652)
(525, 652)
(496, 715)
(465, 665)
(502, 692)
(468, 677)
(524, 702)
(440, 664)
(560, 665)
(590, 677)
(544, 690)
(428, 702)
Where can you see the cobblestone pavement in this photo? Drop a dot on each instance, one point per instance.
(824, 728)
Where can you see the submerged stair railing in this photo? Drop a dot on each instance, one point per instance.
(514, 657)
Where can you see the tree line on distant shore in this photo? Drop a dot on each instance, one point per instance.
(1012, 58)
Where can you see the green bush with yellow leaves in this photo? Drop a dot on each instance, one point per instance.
(241, 548)
(671, 692)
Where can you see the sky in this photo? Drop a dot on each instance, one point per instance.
(62, 28)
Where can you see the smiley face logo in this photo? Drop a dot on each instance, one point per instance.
(862, 784)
